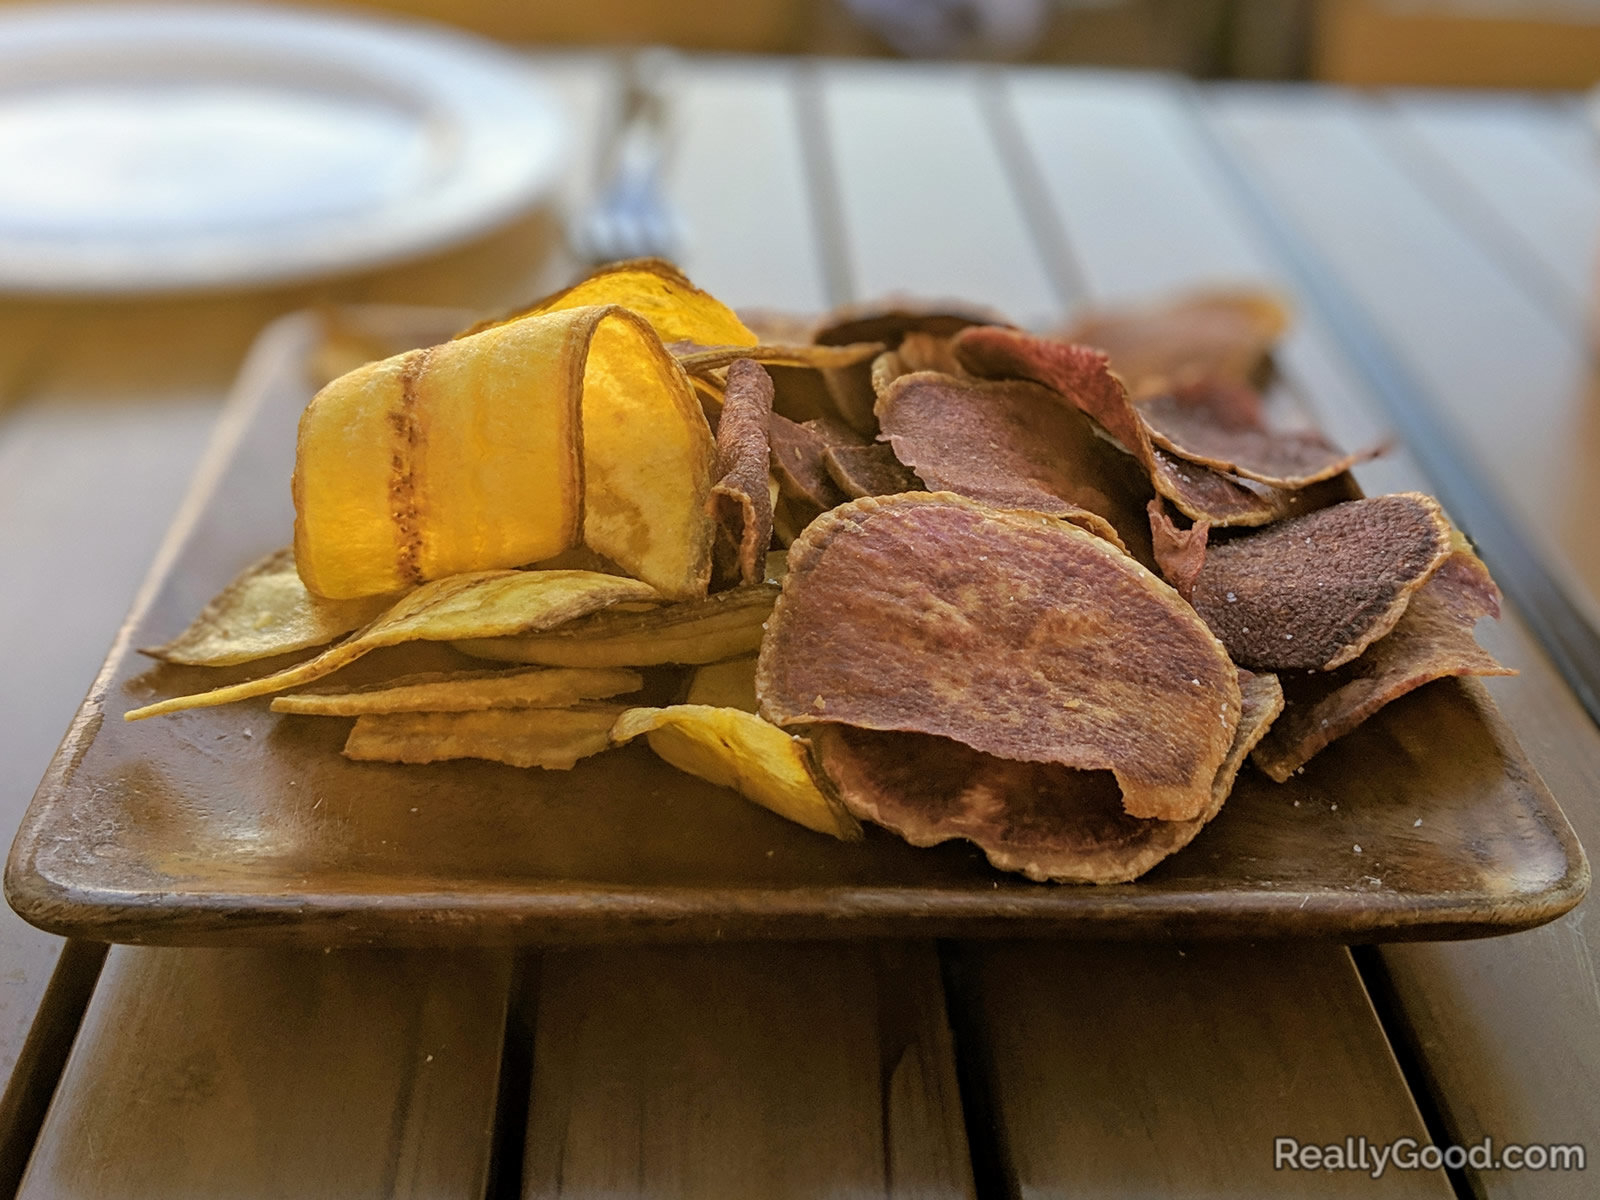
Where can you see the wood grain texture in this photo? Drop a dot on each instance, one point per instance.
(774, 1071)
(250, 1073)
(1168, 1071)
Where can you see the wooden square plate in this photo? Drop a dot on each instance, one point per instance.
(236, 825)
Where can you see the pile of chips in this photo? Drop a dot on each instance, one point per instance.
(904, 564)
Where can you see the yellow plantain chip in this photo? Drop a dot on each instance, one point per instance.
(487, 604)
(718, 358)
(466, 691)
(265, 612)
(658, 292)
(730, 684)
(739, 750)
(553, 738)
(724, 625)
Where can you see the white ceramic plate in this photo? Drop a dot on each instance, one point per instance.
(170, 148)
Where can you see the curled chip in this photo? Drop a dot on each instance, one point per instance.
(1016, 634)
(868, 471)
(1433, 640)
(730, 684)
(264, 612)
(1204, 424)
(598, 437)
(1217, 335)
(739, 750)
(723, 625)
(553, 738)
(1049, 822)
(1082, 375)
(1315, 591)
(740, 501)
(1013, 444)
(656, 290)
(1180, 553)
(465, 691)
(487, 604)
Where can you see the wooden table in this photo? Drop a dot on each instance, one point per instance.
(1442, 253)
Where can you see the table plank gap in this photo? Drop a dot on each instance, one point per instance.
(732, 1071)
(271, 1073)
(822, 181)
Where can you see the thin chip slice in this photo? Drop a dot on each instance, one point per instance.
(465, 691)
(805, 487)
(483, 605)
(265, 612)
(739, 750)
(552, 738)
(708, 360)
(1012, 444)
(730, 684)
(740, 500)
(1049, 822)
(1315, 591)
(723, 625)
(1217, 334)
(1082, 375)
(658, 292)
(1186, 423)
(1180, 553)
(1017, 634)
(890, 319)
(869, 471)
(1433, 640)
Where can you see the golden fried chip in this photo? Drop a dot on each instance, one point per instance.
(483, 605)
(740, 500)
(656, 290)
(1013, 444)
(1179, 553)
(1219, 334)
(264, 612)
(722, 625)
(730, 684)
(1315, 591)
(465, 691)
(553, 738)
(1017, 634)
(869, 471)
(1081, 375)
(1433, 640)
(1049, 822)
(739, 750)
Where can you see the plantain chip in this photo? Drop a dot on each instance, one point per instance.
(739, 750)
(656, 290)
(486, 604)
(723, 625)
(465, 691)
(730, 684)
(553, 738)
(702, 361)
(265, 612)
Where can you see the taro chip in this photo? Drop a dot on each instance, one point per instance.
(1190, 425)
(869, 471)
(1082, 375)
(1224, 335)
(465, 691)
(487, 604)
(739, 750)
(1433, 640)
(1012, 444)
(740, 500)
(265, 612)
(655, 290)
(803, 481)
(1180, 553)
(722, 625)
(1049, 822)
(1315, 591)
(891, 319)
(552, 738)
(1059, 649)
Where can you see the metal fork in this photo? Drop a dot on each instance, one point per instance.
(630, 216)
